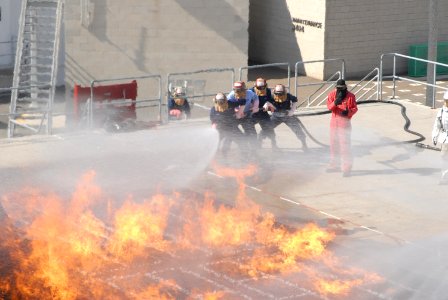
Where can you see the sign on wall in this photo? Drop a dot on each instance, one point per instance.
(299, 25)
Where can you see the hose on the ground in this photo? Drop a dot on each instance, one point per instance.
(406, 126)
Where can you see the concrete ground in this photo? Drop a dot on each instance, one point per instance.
(389, 215)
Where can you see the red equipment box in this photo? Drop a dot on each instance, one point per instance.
(104, 97)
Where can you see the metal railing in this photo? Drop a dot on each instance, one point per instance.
(395, 77)
(150, 101)
(296, 69)
(42, 113)
(363, 87)
(322, 91)
(267, 66)
(205, 71)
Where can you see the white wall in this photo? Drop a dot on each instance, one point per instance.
(10, 11)
(273, 39)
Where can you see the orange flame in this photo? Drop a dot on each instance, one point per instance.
(69, 247)
(138, 226)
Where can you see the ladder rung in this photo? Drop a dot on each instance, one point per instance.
(37, 49)
(38, 26)
(30, 99)
(37, 66)
(40, 92)
(43, 1)
(32, 83)
(47, 20)
(38, 41)
(30, 115)
(35, 57)
(36, 75)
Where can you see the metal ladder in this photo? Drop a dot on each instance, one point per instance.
(36, 64)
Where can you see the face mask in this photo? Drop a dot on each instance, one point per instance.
(179, 101)
(240, 94)
(261, 91)
(222, 106)
(280, 98)
(341, 93)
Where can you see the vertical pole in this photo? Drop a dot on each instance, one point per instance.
(432, 52)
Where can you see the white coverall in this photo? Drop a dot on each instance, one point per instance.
(440, 135)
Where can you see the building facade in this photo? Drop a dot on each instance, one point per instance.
(9, 16)
(358, 31)
(110, 38)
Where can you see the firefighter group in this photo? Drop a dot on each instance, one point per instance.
(235, 116)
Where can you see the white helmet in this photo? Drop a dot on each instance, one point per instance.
(280, 89)
(239, 86)
(179, 92)
(445, 95)
(220, 98)
(260, 82)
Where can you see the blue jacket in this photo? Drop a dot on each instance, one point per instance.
(251, 97)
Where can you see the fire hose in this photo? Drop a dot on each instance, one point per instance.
(405, 127)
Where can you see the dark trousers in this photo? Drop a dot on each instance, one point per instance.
(293, 123)
(267, 129)
(248, 125)
(227, 136)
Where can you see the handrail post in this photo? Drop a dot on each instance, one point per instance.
(394, 75)
(380, 80)
(90, 110)
(296, 73)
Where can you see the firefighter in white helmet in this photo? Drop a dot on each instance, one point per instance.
(222, 118)
(245, 103)
(178, 105)
(262, 117)
(283, 107)
(440, 135)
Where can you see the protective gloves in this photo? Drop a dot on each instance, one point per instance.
(345, 112)
(268, 107)
(293, 109)
(175, 113)
(239, 112)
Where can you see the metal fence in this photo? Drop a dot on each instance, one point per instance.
(318, 96)
(204, 84)
(208, 87)
(264, 66)
(396, 77)
(141, 102)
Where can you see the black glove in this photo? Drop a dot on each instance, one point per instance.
(337, 101)
(345, 112)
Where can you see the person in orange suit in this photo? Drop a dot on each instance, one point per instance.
(342, 105)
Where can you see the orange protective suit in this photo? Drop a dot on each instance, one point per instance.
(340, 131)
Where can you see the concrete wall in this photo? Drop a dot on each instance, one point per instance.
(288, 31)
(135, 37)
(358, 31)
(361, 30)
(9, 25)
